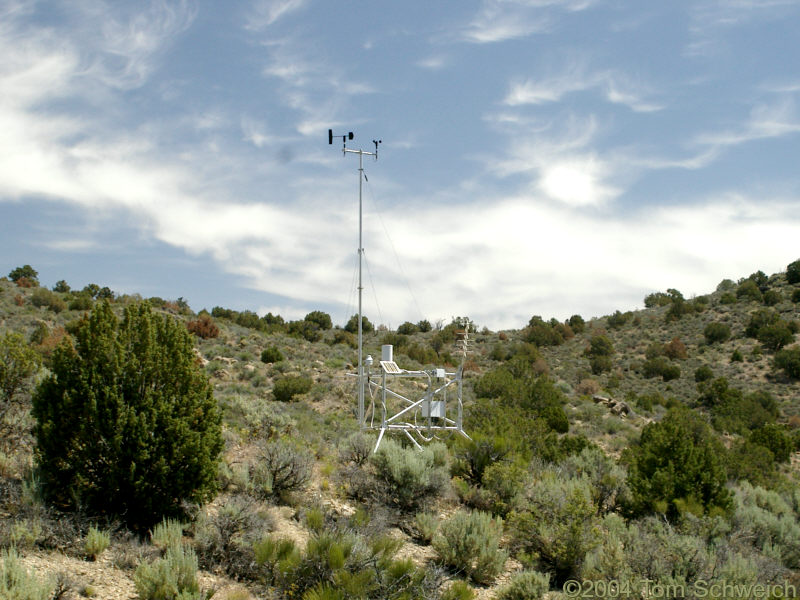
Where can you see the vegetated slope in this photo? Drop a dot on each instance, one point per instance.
(288, 403)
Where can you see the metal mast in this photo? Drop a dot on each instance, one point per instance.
(361, 154)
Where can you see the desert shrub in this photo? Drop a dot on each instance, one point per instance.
(286, 388)
(17, 584)
(224, 538)
(751, 462)
(322, 319)
(352, 324)
(737, 356)
(167, 534)
(609, 488)
(61, 286)
(661, 367)
(577, 324)
(677, 460)
(796, 295)
(559, 526)
(18, 364)
(474, 456)
(526, 585)
(788, 360)
(793, 272)
(775, 438)
(173, 577)
(458, 590)
(340, 336)
(407, 328)
(425, 526)
(759, 319)
(675, 349)
(357, 448)
(203, 327)
(716, 332)
(775, 336)
(308, 330)
(342, 564)
(96, 542)
(271, 354)
(289, 469)
(81, 302)
(772, 297)
(657, 299)
(127, 423)
(769, 521)
(469, 542)
(703, 373)
(748, 290)
(43, 297)
(734, 411)
(409, 476)
(618, 319)
(542, 334)
(727, 298)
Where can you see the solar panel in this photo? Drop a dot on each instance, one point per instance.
(389, 366)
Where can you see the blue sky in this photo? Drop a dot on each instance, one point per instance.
(545, 157)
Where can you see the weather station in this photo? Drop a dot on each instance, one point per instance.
(423, 405)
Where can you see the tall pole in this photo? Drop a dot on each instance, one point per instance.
(361, 153)
(360, 288)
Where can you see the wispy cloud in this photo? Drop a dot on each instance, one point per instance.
(502, 20)
(576, 77)
(766, 121)
(264, 13)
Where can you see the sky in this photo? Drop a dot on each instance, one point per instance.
(537, 157)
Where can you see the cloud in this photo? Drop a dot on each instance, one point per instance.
(503, 20)
(575, 77)
(766, 121)
(266, 12)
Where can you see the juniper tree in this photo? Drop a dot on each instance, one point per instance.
(126, 424)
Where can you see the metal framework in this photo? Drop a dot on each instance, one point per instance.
(425, 418)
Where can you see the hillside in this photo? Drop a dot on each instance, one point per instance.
(556, 412)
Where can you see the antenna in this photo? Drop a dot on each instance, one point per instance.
(433, 413)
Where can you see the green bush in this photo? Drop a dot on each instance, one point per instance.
(43, 297)
(748, 290)
(352, 325)
(774, 438)
(772, 297)
(526, 585)
(789, 360)
(127, 424)
(775, 336)
(678, 459)
(458, 590)
(409, 476)
(96, 542)
(271, 354)
(24, 272)
(81, 302)
(17, 584)
(577, 324)
(308, 330)
(559, 525)
(286, 388)
(703, 373)
(727, 298)
(407, 328)
(356, 448)
(18, 364)
(661, 367)
(322, 319)
(796, 295)
(469, 542)
(167, 534)
(173, 577)
(793, 272)
(716, 333)
(425, 526)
